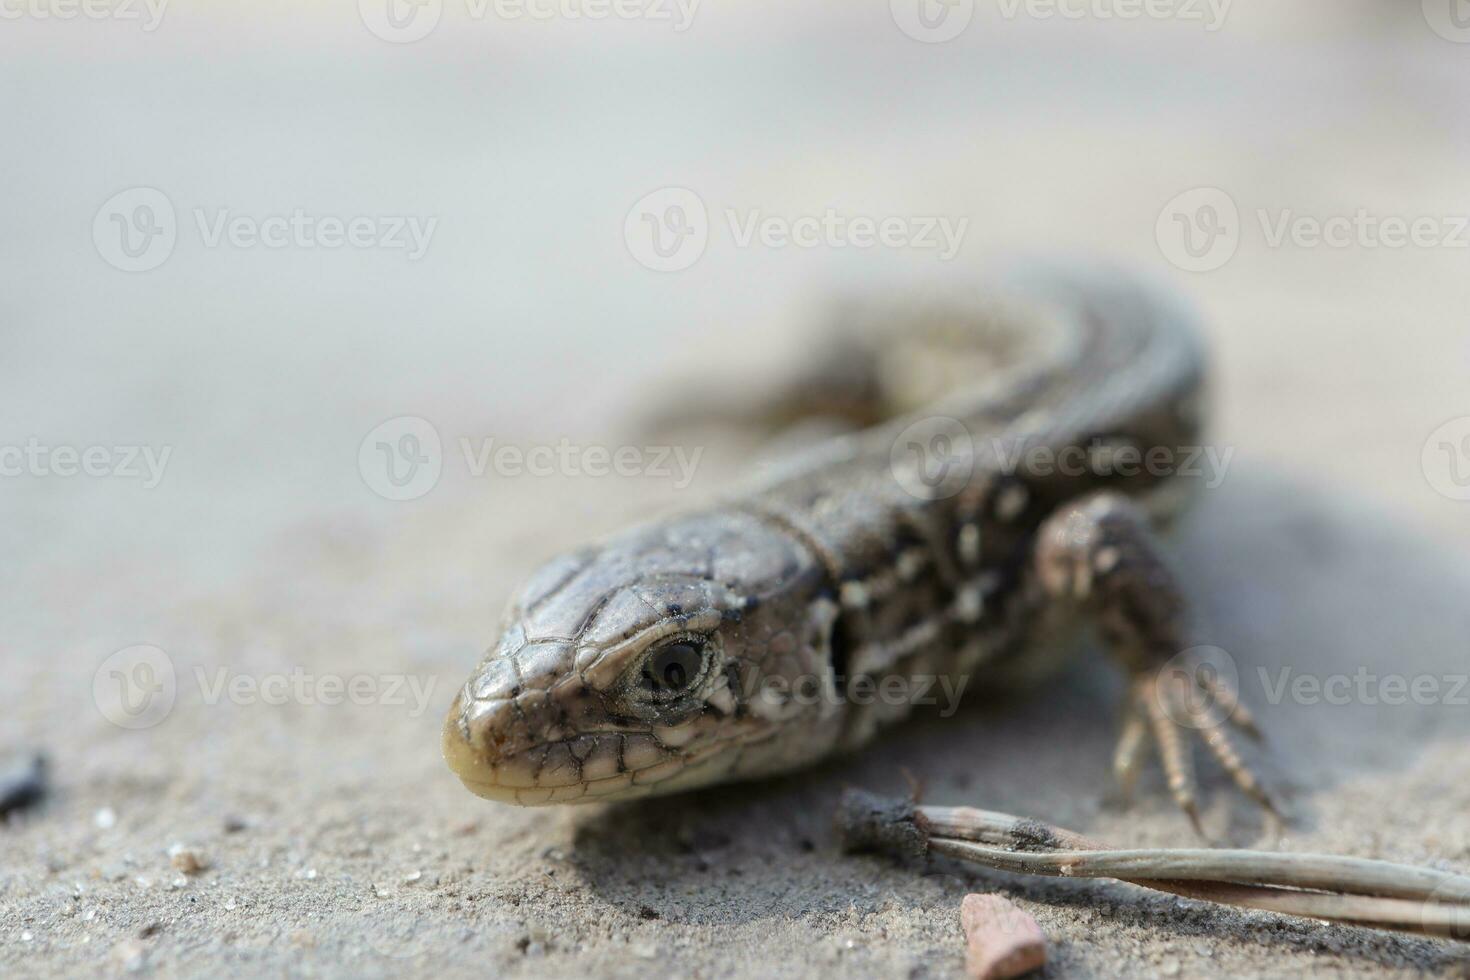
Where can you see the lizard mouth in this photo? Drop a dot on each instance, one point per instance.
(584, 769)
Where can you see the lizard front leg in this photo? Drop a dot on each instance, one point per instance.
(1099, 552)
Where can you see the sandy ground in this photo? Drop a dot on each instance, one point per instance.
(336, 842)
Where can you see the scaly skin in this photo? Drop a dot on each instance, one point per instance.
(757, 637)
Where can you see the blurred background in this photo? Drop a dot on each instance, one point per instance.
(529, 142)
(549, 215)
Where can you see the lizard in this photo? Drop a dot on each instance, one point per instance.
(944, 538)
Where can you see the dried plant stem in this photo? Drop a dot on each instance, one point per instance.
(1352, 891)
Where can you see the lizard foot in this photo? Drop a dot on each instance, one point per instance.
(1167, 707)
(1099, 552)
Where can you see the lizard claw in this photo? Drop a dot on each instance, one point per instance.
(1163, 709)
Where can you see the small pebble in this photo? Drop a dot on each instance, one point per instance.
(105, 818)
(1001, 941)
(24, 785)
(186, 859)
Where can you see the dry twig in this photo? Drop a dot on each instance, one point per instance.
(1352, 891)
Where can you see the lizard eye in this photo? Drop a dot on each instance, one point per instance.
(674, 668)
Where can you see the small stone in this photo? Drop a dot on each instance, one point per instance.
(412, 877)
(234, 824)
(105, 818)
(27, 936)
(186, 859)
(1001, 941)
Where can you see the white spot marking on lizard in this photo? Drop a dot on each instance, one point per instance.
(910, 564)
(969, 604)
(969, 546)
(854, 595)
(1011, 503)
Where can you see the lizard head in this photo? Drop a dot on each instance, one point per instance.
(640, 666)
